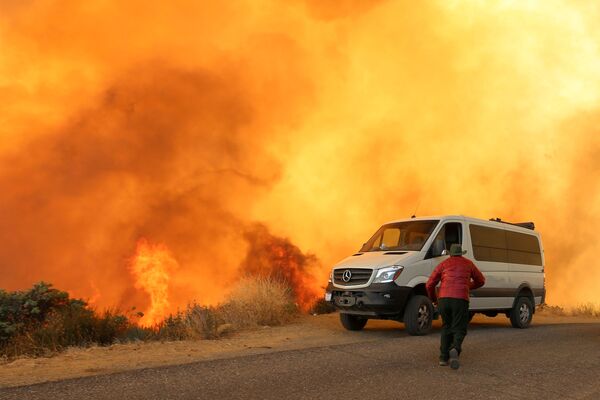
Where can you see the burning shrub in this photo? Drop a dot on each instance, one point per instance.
(275, 258)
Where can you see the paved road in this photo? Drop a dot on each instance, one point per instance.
(543, 362)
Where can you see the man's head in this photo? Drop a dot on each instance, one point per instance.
(456, 250)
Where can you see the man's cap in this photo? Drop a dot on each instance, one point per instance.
(456, 250)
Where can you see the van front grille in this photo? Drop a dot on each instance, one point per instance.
(357, 276)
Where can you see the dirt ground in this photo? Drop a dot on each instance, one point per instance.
(305, 332)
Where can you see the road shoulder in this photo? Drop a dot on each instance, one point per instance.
(305, 332)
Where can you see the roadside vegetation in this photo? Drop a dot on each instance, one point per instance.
(586, 310)
(254, 302)
(590, 310)
(44, 320)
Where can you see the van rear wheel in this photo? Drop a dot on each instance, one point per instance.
(418, 315)
(522, 313)
(352, 322)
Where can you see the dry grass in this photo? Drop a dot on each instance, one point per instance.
(252, 303)
(258, 302)
(590, 310)
(552, 310)
(586, 310)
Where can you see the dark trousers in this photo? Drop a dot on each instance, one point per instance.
(455, 318)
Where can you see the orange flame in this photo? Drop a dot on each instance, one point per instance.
(321, 119)
(151, 267)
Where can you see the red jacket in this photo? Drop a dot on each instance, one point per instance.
(458, 276)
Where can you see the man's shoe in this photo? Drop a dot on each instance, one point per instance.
(443, 363)
(454, 364)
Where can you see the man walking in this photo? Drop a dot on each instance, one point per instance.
(458, 275)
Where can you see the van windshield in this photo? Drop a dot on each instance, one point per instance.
(403, 236)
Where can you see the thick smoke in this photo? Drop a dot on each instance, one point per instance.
(183, 123)
(168, 155)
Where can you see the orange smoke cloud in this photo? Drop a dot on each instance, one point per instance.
(152, 267)
(320, 119)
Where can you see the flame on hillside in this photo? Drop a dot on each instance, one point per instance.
(152, 267)
(185, 122)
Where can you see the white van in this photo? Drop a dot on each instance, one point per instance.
(386, 278)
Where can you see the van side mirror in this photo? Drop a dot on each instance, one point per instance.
(445, 252)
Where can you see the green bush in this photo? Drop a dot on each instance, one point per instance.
(44, 319)
(21, 311)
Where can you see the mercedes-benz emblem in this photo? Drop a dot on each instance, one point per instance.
(347, 275)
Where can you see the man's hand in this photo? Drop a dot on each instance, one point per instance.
(436, 311)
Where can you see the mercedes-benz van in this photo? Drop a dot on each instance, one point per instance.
(386, 278)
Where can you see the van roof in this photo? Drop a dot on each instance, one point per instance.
(495, 224)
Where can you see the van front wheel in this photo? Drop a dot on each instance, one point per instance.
(521, 313)
(418, 315)
(352, 322)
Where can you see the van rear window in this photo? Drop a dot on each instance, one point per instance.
(489, 244)
(499, 245)
(523, 248)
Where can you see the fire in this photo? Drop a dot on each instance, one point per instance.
(278, 258)
(193, 121)
(151, 266)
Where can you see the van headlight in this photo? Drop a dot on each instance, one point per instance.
(330, 276)
(388, 274)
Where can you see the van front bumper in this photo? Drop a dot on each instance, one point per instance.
(379, 300)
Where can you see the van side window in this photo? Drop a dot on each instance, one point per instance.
(450, 234)
(523, 248)
(489, 244)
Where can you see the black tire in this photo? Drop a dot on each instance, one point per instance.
(418, 315)
(522, 313)
(353, 322)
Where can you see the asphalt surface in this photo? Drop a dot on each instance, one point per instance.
(498, 362)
